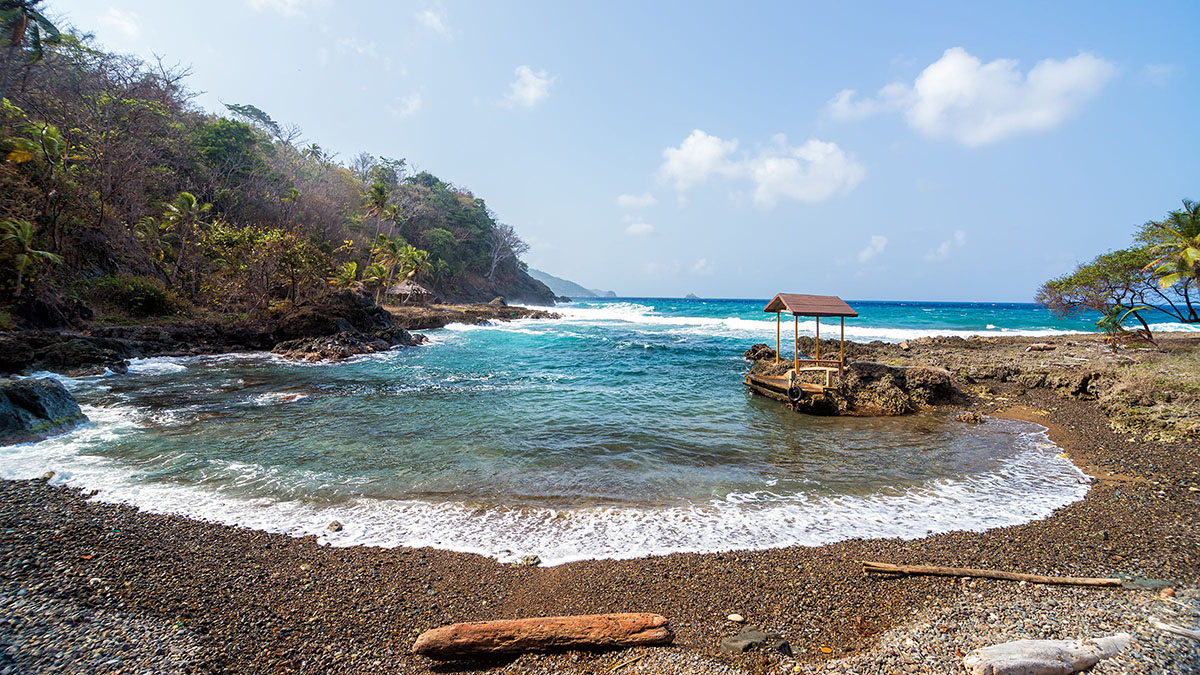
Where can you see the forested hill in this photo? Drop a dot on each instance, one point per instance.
(120, 198)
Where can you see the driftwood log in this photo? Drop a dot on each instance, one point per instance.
(870, 567)
(549, 633)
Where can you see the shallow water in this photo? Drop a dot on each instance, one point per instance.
(619, 431)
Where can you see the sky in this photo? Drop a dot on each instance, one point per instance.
(877, 151)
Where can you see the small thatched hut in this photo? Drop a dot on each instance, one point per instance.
(410, 291)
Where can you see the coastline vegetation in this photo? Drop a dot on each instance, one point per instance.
(1159, 273)
(121, 194)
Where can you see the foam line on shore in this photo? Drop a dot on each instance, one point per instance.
(1028, 486)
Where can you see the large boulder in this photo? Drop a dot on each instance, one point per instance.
(68, 353)
(33, 409)
(335, 312)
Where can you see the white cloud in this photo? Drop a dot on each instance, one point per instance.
(702, 267)
(530, 88)
(638, 227)
(405, 106)
(958, 97)
(945, 248)
(120, 21)
(642, 201)
(812, 172)
(697, 157)
(873, 249)
(433, 20)
(284, 7)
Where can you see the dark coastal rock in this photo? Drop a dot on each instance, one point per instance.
(67, 353)
(759, 352)
(498, 301)
(753, 638)
(430, 317)
(344, 344)
(335, 312)
(865, 387)
(33, 409)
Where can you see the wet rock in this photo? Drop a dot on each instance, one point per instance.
(528, 561)
(753, 638)
(1043, 657)
(969, 416)
(335, 526)
(759, 352)
(344, 345)
(33, 409)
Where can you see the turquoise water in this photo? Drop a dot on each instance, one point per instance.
(620, 430)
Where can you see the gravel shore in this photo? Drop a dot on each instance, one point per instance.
(94, 587)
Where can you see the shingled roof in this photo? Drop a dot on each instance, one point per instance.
(809, 305)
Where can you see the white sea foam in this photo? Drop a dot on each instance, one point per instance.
(1030, 485)
(159, 365)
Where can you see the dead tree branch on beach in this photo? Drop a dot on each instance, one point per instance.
(870, 567)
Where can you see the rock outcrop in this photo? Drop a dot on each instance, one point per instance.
(33, 409)
(865, 387)
(428, 317)
(346, 344)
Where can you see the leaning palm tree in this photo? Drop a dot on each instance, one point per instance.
(155, 239)
(183, 216)
(18, 235)
(1176, 242)
(389, 252)
(21, 21)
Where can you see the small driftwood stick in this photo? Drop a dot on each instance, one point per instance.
(870, 567)
(1177, 630)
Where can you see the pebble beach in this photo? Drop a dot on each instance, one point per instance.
(87, 586)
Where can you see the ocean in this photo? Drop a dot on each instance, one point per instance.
(619, 431)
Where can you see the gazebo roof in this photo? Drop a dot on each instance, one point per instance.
(809, 305)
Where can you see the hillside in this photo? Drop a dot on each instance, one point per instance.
(570, 289)
(124, 202)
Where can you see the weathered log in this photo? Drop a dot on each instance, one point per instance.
(870, 567)
(549, 633)
(1043, 657)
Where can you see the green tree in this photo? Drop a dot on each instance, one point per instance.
(22, 22)
(1176, 242)
(18, 237)
(346, 276)
(184, 216)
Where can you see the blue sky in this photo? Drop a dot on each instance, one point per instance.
(923, 151)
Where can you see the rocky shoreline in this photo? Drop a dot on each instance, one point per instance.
(336, 325)
(114, 589)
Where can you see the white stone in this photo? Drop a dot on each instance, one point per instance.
(736, 618)
(1043, 657)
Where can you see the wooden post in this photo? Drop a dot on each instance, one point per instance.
(842, 355)
(777, 337)
(796, 342)
(818, 320)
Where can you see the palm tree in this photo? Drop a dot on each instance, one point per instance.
(374, 276)
(155, 239)
(20, 20)
(19, 234)
(1176, 241)
(346, 276)
(376, 205)
(415, 261)
(183, 216)
(389, 252)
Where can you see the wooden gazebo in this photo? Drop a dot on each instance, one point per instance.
(818, 307)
